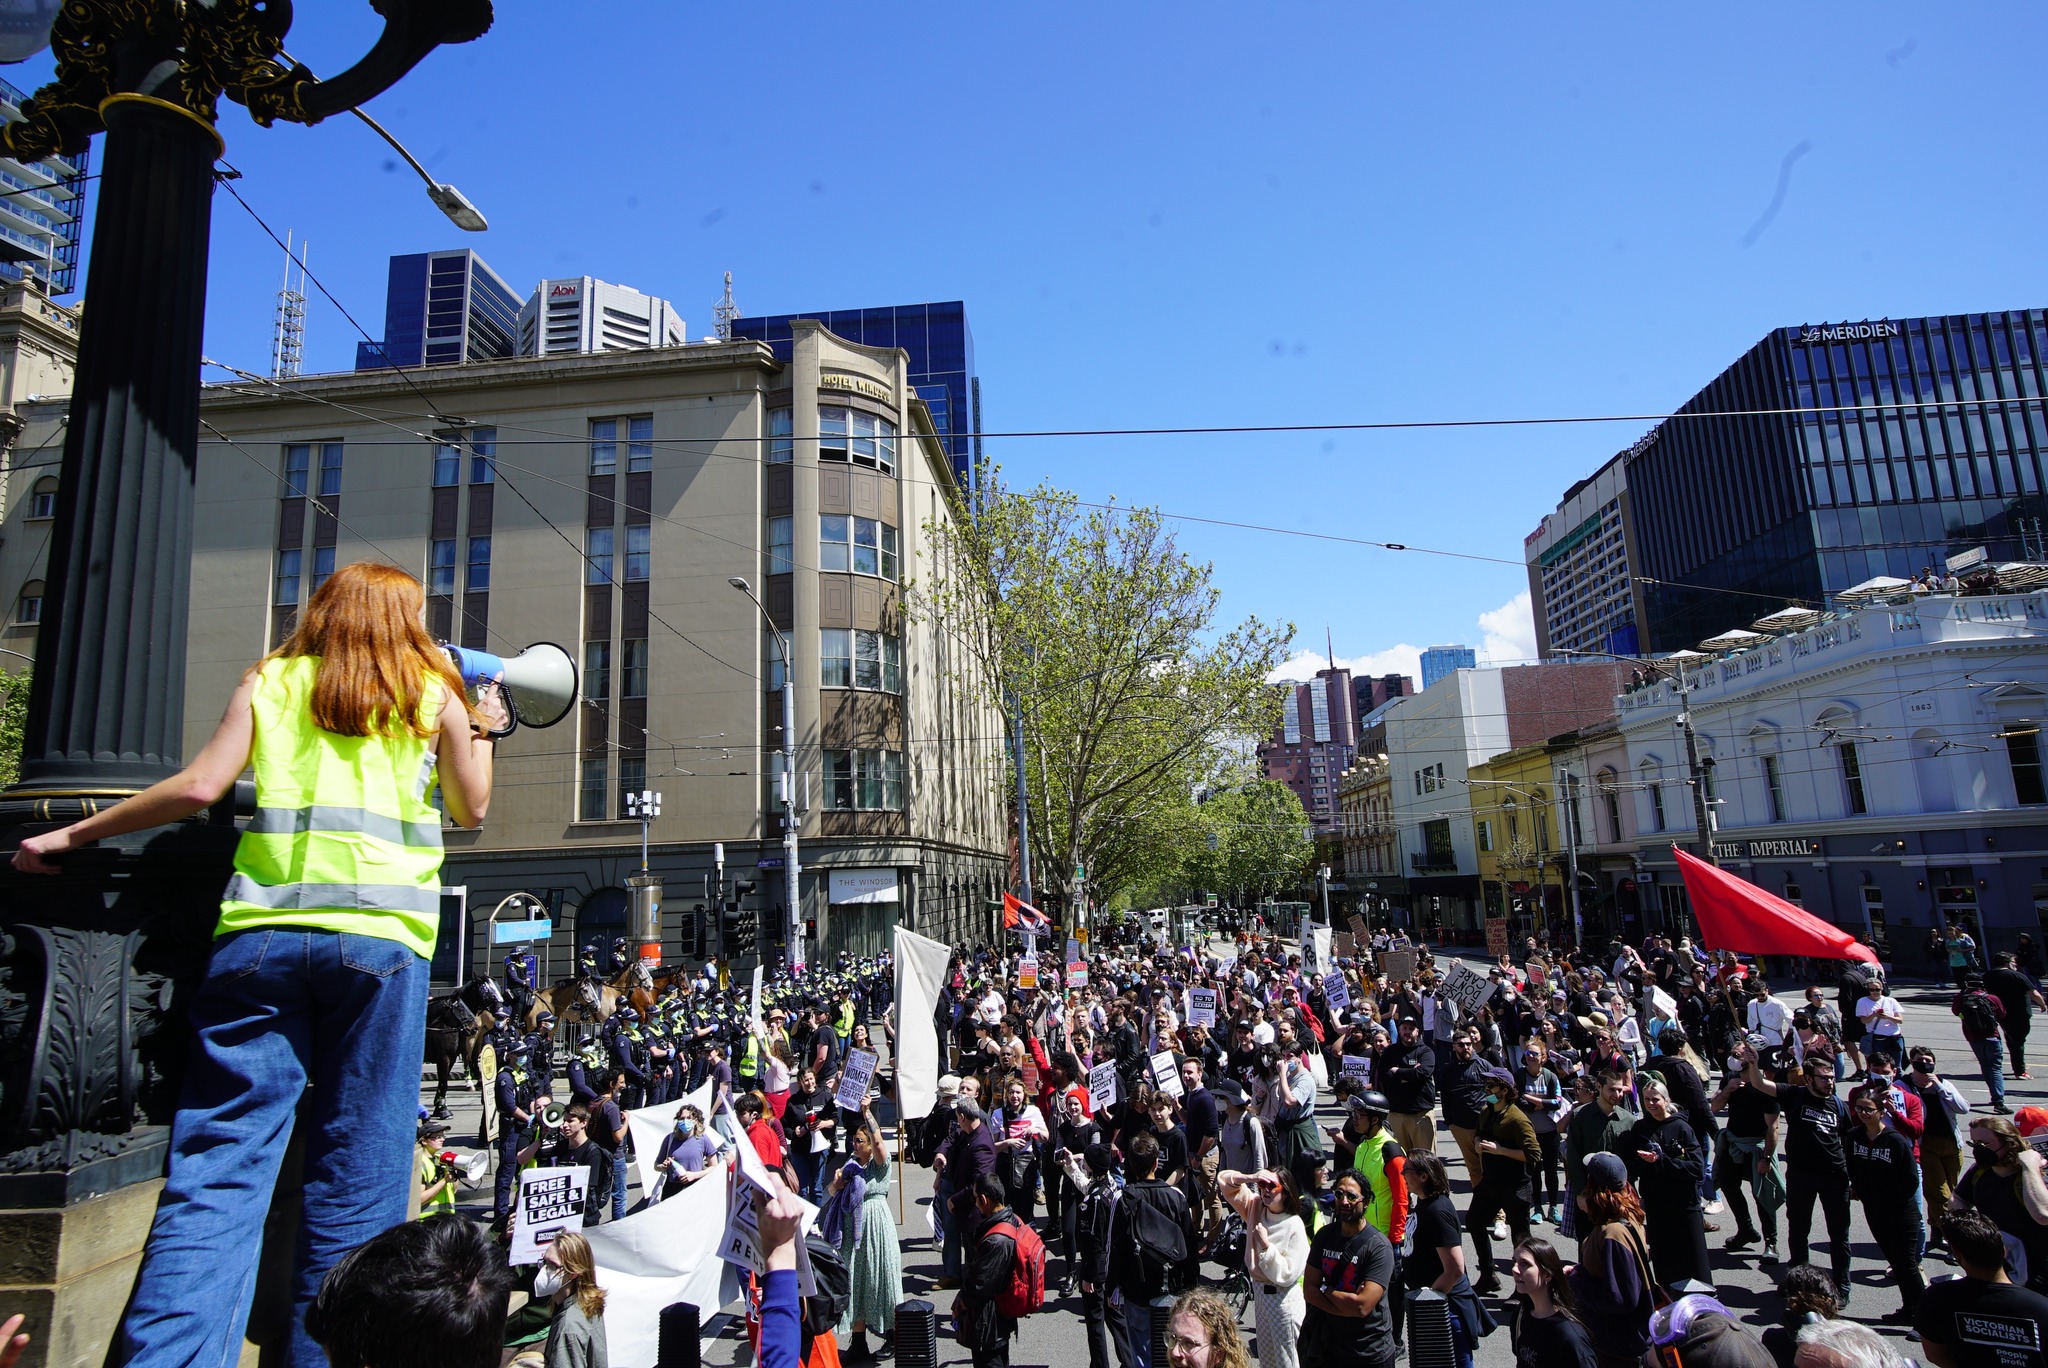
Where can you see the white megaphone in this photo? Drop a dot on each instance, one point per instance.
(539, 682)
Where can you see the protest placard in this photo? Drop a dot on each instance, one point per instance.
(550, 1200)
(1496, 936)
(1359, 930)
(1027, 971)
(1336, 992)
(1469, 990)
(855, 1080)
(1102, 1086)
(1343, 943)
(1073, 950)
(1397, 966)
(1166, 1074)
(1077, 973)
(1201, 1006)
(1356, 1066)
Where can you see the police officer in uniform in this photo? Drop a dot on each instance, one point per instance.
(585, 1066)
(629, 1055)
(586, 961)
(517, 1102)
(519, 985)
(540, 1046)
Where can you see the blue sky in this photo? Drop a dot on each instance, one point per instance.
(1204, 214)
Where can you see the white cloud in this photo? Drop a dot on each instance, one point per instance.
(1402, 659)
(1507, 636)
(1509, 632)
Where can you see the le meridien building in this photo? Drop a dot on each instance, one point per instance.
(42, 212)
(443, 309)
(1862, 449)
(941, 350)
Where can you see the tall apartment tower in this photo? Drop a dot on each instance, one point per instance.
(1582, 584)
(443, 309)
(1314, 744)
(42, 213)
(1439, 661)
(583, 314)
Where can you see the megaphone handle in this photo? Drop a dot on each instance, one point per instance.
(511, 713)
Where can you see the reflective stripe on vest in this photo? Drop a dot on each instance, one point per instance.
(1370, 1159)
(429, 1174)
(345, 839)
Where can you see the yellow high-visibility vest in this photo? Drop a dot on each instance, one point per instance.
(345, 839)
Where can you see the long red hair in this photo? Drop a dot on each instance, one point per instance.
(364, 625)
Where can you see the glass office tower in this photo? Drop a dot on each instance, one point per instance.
(443, 309)
(941, 348)
(1874, 448)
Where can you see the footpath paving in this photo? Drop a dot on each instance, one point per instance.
(1056, 1336)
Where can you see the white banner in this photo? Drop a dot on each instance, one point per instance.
(920, 971)
(649, 1126)
(666, 1253)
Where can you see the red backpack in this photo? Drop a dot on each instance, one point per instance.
(1025, 1292)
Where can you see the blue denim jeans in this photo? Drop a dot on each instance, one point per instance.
(280, 1008)
(1991, 1059)
(619, 1162)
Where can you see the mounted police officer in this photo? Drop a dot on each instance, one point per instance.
(519, 983)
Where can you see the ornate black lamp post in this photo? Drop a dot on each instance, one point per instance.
(90, 960)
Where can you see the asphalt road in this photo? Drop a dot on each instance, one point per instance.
(1055, 1335)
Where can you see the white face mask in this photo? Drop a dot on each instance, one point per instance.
(549, 1281)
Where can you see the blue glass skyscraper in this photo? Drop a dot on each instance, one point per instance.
(941, 348)
(1439, 661)
(443, 309)
(1829, 454)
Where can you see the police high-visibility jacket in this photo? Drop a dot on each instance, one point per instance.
(345, 839)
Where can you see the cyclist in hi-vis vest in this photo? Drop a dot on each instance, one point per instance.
(319, 967)
(1383, 1163)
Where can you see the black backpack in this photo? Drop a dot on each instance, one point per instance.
(1980, 1018)
(1160, 1242)
(823, 1310)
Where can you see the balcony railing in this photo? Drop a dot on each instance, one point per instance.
(1427, 860)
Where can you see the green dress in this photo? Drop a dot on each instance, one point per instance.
(875, 1265)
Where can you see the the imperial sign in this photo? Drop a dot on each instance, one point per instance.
(1765, 850)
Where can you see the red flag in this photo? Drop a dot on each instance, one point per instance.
(1023, 916)
(1734, 914)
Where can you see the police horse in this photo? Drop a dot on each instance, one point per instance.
(458, 1023)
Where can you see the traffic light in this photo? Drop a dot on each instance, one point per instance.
(742, 888)
(693, 932)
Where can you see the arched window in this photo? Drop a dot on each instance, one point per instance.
(28, 608)
(1837, 726)
(601, 918)
(1931, 770)
(42, 500)
(1609, 784)
(1763, 743)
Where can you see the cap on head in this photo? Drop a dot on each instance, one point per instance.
(1606, 1173)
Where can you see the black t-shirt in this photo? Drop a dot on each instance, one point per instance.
(1173, 1150)
(1346, 1263)
(1882, 1170)
(559, 1153)
(1198, 1115)
(1814, 1127)
(1558, 1342)
(605, 1124)
(1996, 1325)
(1436, 1227)
(2011, 988)
(1748, 1112)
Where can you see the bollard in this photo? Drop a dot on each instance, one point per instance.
(678, 1344)
(1430, 1340)
(917, 1335)
(1162, 1315)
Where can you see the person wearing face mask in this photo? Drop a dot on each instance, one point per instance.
(2004, 1182)
(686, 1152)
(1504, 1184)
(567, 1278)
(1941, 1163)
(1886, 1181)
(1072, 1135)
(1817, 1167)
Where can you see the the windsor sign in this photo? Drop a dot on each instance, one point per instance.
(1765, 850)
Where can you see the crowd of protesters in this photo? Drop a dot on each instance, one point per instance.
(1628, 1127)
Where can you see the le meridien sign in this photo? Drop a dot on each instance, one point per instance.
(1846, 332)
(1765, 850)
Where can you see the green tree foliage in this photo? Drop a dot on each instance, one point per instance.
(1256, 842)
(1095, 626)
(13, 713)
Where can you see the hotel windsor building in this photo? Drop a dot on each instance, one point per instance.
(602, 502)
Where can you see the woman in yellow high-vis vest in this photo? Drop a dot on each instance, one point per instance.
(319, 967)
